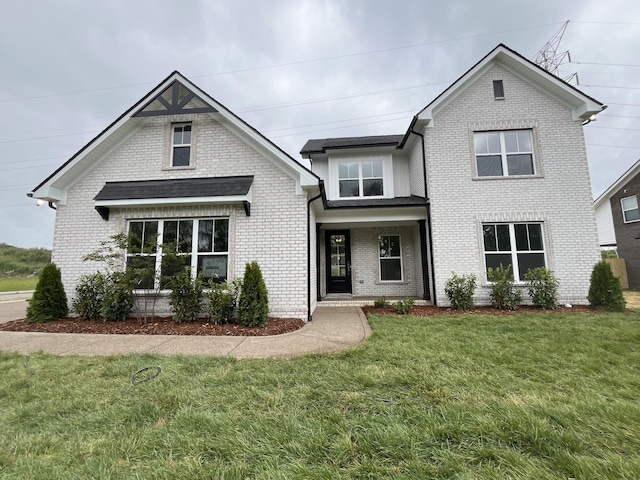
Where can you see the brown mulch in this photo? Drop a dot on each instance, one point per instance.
(427, 311)
(155, 326)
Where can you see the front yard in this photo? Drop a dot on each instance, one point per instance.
(458, 396)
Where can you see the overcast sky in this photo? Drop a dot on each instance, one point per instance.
(294, 70)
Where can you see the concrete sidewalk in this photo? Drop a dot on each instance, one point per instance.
(332, 329)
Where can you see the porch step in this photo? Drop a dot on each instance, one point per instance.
(351, 301)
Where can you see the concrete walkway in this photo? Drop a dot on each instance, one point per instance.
(332, 329)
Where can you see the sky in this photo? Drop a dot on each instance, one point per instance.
(293, 69)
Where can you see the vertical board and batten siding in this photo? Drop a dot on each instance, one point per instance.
(604, 220)
(559, 197)
(274, 234)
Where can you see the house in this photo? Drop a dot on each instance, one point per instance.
(492, 171)
(618, 219)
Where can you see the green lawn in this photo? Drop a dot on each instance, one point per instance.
(468, 397)
(14, 284)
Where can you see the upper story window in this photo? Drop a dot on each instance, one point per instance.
(181, 145)
(504, 154)
(361, 178)
(630, 210)
(498, 90)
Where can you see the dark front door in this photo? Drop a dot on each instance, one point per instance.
(338, 255)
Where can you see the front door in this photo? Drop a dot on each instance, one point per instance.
(338, 253)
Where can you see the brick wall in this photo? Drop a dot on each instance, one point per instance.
(274, 235)
(559, 196)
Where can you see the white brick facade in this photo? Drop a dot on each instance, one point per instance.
(559, 195)
(274, 234)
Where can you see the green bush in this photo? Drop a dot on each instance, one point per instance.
(380, 302)
(118, 300)
(222, 299)
(543, 287)
(460, 290)
(89, 297)
(186, 297)
(403, 307)
(503, 294)
(49, 302)
(605, 292)
(253, 306)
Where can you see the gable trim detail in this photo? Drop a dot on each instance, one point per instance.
(176, 99)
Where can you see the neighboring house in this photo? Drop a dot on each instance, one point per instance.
(618, 218)
(492, 171)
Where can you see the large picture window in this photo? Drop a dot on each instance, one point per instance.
(159, 249)
(630, 210)
(361, 178)
(390, 258)
(501, 154)
(519, 245)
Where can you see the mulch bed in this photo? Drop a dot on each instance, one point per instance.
(155, 326)
(428, 311)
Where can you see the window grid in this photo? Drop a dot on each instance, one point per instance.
(361, 178)
(504, 153)
(520, 245)
(630, 211)
(206, 253)
(390, 258)
(181, 145)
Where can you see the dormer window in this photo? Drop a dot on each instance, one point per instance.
(181, 145)
(361, 179)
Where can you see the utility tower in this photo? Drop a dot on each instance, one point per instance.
(550, 59)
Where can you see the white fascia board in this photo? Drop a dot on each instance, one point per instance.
(174, 201)
(50, 193)
(372, 215)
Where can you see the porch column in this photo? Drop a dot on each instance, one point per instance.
(426, 295)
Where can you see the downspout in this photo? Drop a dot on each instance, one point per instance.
(309, 318)
(428, 202)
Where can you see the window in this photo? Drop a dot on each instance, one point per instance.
(508, 153)
(630, 210)
(498, 90)
(181, 145)
(361, 179)
(517, 244)
(390, 258)
(199, 244)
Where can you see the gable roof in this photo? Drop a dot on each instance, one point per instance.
(324, 144)
(582, 105)
(618, 184)
(175, 94)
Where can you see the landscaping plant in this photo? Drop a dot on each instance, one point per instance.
(89, 297)
(380, 302)
(504, 296)
(186, 296)
(460, 289)
(49, 302)
(118, 300)
(543, 287)
(403, 307)
(605, 291)
(222, 299)
(253, 305)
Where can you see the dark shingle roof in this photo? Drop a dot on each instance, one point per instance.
(324, 144)
(176, 188)
(411, 201)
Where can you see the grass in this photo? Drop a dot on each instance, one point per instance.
(22, 262)
(14, 284)
(468, 397)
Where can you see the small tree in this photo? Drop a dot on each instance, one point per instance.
(605, 291)
(460, 290)
(49, 302)
(118, 300)
(543, 287)
(503, 294)
(253, 306)
(89, 296)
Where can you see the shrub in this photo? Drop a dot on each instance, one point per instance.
(543, 287)
(117, 303)
(380, 302)
(403, 307)
(460, 290)
(223, 298)
(503, 294)
(605, 292)
(186, 297)
(89, 297)
(49, 302)
(253, 305)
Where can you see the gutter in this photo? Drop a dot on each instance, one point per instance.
(427, 287)
(309, 317)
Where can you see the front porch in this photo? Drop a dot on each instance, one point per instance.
(347, 300)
